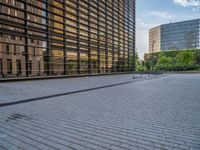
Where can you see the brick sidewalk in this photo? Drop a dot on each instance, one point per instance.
(15, 91)
(162, 113)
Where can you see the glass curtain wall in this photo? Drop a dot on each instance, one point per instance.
(66, 37)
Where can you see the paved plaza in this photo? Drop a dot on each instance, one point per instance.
(162, 113)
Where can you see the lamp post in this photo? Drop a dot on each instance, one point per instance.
(152, 61)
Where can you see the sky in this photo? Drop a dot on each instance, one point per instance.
(151, 13)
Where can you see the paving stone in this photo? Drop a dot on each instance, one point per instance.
(156, 114)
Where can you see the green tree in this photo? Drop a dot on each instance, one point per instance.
(164, 63)
(185, 58)
(197, 57)
(174, 60)
(139, 64)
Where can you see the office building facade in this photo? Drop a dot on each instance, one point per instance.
(175, 36)
(66, 37)
(154, 40)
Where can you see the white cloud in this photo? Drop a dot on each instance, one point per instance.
(162, 14)
(187, 3)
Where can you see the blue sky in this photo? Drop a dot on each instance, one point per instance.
(150, 13)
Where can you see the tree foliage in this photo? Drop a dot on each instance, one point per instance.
(140, 66)
(174, 60)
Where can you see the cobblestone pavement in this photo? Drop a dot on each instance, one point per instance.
(15, 91)
(157, 114)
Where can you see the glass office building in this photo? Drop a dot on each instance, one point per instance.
(66, 37)
(176, 36)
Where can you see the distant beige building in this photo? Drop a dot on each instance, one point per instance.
(154, 40)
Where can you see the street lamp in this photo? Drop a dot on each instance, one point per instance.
(152, 55)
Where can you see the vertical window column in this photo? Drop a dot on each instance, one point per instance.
(26, 38)
(1, 68)
(64, 37)
(120, 59)
(106, 38)
(134, 50)
(89, 39)
(78, 38)
(113, 41)
(98, 39)
(48, 54)
(124, 40)
(129, 65)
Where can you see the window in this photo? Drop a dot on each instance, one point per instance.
(1, 9)
(9, 66)
(12, 37)
(38, 67)
(19, 68)
(34, 51)
(22, 50)
(7, 49)
(13, 2)
(16, 13)
(1, 34)
(1, 67)
(30, 67)
(9, 11)
(15, 49)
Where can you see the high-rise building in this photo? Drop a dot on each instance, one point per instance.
(64, 37)
(154, 40)
(175, 36)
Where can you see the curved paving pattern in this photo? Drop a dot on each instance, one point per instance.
(162, 113)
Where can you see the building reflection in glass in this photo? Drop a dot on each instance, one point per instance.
(39, 38)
